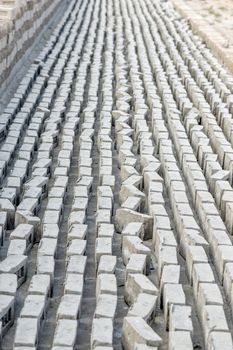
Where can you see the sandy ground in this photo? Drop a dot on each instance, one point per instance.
(212, 20)
(218, 14)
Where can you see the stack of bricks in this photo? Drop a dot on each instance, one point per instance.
(20, 23)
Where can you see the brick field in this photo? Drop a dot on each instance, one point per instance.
(116, 169)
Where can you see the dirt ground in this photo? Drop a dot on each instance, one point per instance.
(213, 21)
(217, 13)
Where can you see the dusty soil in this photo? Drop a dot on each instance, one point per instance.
(212, 21)
(218, 14)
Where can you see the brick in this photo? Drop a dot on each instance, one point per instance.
(132, 203)
(50, 231)
(65, 333)
(101, 333)
(103, 216)
(17, 247)
(144, 306)
(26, 332)
(133, 245)
(103, 247)
(76, 247)
(219, 340)
(73, 284)
(180, 318)
(105, 230)
(45, 265)
(228, 280)
(192, 237)
(136, 284)
(208, 294)
(34, 307)
(107, 264)
(76, 264)
(180, 340)
(125, 216)
(47, 246)
(6, 312)
(106, 284)
(69, 307)
(170, 274)
(201, 273)
(224, 255)
(195, 254)
(163, 238)
(213, 318)
(136, 264)
(129, 191)
(133, 229)
(106, 306)
(8, 284)
(167, 256)
(173, 295)
(16, 264)
(39, 285)
(135, 330)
